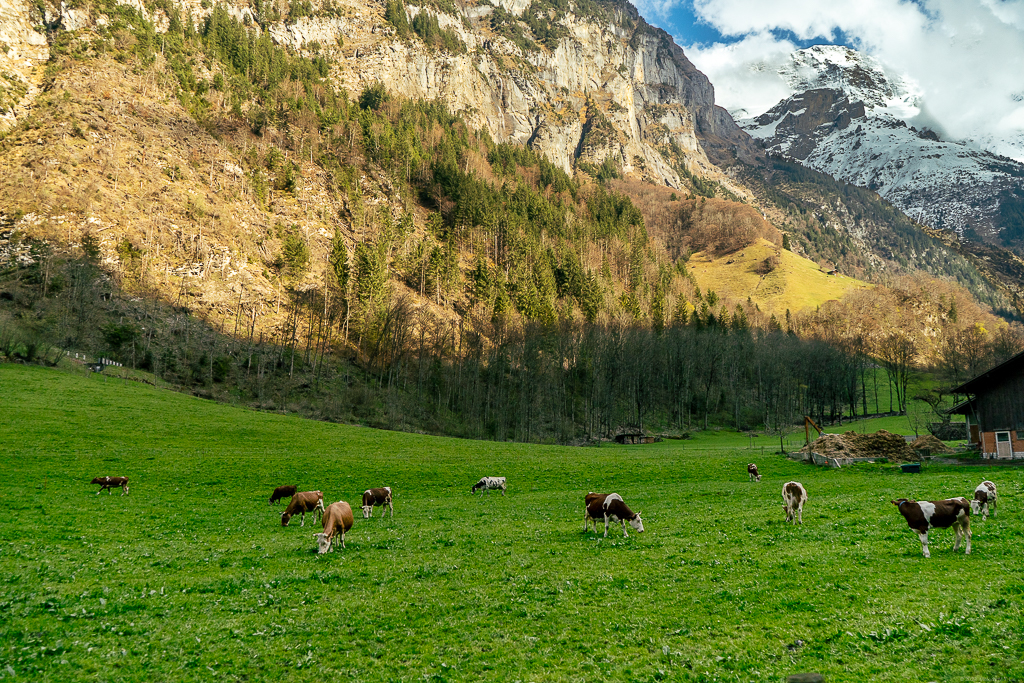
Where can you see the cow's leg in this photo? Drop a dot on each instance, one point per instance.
(800, 511)
(625, 534)
(605, 526)
(100, 491)
(967, 534)
(343, 537)
(958, 531)
(924, 543)
(302, 519)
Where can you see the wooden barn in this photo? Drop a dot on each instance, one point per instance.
(994, 409)
(635, 438)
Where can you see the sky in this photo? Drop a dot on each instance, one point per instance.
(966, 56)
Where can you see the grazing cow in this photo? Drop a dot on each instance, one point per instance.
(609, 507)
(794, 495)
(488, 483)
(380, 497)
(337, 520)
(984, 496)
(937, 514)
(301, 503)
(753, 473)
(111, 483)
(282, 492)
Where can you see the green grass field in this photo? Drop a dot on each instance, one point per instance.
(192, 578)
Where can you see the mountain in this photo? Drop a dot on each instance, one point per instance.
(222, 156)
(852, 119)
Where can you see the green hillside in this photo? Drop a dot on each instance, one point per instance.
(793, 284)
(192, 578)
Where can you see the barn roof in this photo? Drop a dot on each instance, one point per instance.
(963, 408)
(992, 377)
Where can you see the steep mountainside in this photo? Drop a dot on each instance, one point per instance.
(849, 118)
(580, 82)
(226, 157)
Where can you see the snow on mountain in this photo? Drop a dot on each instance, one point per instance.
(851, 119)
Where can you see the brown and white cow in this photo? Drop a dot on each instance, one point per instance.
(794, 495)
(372, 497)
(753, 473)
(282, 492)
(609, 507)
(984, 496)
(337, 520)
(111, 483)
(937, 514)
(301, 503)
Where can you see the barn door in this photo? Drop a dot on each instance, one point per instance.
(1004, 449)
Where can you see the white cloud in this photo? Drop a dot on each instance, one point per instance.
(744, 73)
(967, 55)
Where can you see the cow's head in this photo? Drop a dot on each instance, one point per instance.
(637, 523)
(367, 511)
(975, 507)
(284, 518)
(323, 543)
(99, 480)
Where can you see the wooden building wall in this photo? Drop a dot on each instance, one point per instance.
(1001, 408)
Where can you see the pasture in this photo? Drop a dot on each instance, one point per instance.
(192, 578)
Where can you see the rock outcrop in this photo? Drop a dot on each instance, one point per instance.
(23, 51)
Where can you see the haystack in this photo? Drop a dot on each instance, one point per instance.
(881, 444)
(932, 444)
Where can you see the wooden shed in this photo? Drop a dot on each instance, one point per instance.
(635, 438)
(994, 409)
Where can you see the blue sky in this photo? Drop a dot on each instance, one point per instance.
(682, 21)
(965, 57)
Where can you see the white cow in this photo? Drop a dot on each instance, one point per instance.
(984, 496)
(489, 483)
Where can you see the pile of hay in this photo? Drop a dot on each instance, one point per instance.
(932, 444)
(881, 444)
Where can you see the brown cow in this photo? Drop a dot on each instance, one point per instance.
(938, 514)
(110, 483)
(794, 495)
(609, 507)
(380, 497)
(282, 492)
(307, 501)
(337, 520)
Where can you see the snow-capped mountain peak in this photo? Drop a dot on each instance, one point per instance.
(849, 117)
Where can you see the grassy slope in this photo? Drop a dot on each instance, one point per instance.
(192, 573)
(797, 283)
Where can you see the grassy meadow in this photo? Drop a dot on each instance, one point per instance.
(797, 284)
(192, 578)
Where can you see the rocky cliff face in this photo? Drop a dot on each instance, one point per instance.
(611, 86)
(23, 51)
(618, 70)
